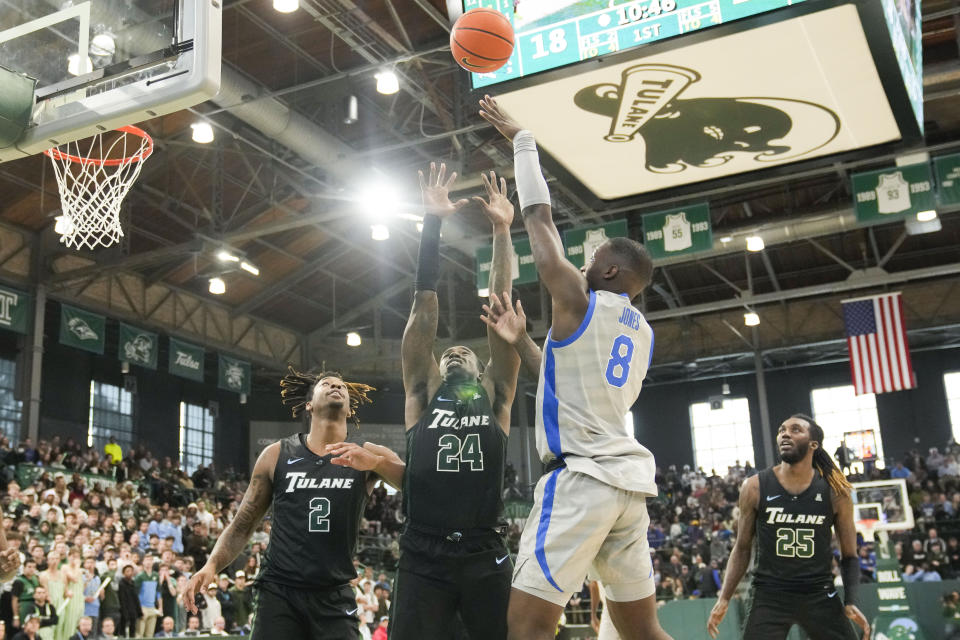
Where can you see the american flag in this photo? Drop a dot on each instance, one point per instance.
(877, 339)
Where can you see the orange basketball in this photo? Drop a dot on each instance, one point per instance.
(481, 40)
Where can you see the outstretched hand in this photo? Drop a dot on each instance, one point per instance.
(436, 192)
(498, 208)
(507, 321)
(492, 113)
(348, 454)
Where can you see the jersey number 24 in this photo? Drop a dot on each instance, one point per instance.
(618, 367)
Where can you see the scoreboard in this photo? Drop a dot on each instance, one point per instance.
(555, 33)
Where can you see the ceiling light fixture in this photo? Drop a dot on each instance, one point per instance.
(218, 286)
(755, 243)
(225, 256)
(926, 216)
(286, 6)
(354, 339)
(249, 268)
(726, 239)
(387, 82)
(379, 232)
(202, 132)
(751, 319)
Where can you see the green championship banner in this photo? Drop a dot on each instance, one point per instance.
(234, 375)
(137, 346)
(82, 329)
(679, 231)
(582, 242)
(186, 360)
(947, 169)
(894, 618)
(522, 266)
(15, 307)
(892, 194)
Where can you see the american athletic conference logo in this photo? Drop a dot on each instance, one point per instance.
(705, 132)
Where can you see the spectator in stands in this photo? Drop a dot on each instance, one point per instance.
(219, 627)
(212, 612)
(901, 472)
(31, 628)
(107, 629)
(381, 632)
(242, 599)
(110, 605)
(933, 538)
(228, 608)
(148, 593)
(915, 556)
(45, 613)
(193, 627)
(166, 628)
(112, 451)
(91, 590)
(129, 597)
(84, 629)
(868, 564)
(22, 591)
(937, 559)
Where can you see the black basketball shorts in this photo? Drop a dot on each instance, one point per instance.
(819, 613)
(303, 614)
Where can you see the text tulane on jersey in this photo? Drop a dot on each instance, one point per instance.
(631, 318)
(775, 515)
(445, 418)
(299, 480)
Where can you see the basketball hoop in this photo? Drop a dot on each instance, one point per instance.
(94, 183)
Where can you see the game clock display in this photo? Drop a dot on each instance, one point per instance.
(554, 33)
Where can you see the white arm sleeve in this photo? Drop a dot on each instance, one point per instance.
(531, 187)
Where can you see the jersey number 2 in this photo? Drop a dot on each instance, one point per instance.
(319, 517)
(453, 451)
(795, 543)
(618, 367)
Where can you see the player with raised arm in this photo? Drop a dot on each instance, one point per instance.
(790, 508)
(318, 486)
(590, 511)
(453, 558)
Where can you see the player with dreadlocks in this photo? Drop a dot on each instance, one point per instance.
(790, 508)
(318, 487)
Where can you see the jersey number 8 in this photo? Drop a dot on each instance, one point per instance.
(618, 367)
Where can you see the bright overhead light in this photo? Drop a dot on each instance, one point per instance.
(755, 243)
(354, 339)
(751, 319)
(379, 200)
(726, 239)
(225, 256)
(419, 227)
(249, 268)
(353, 111)
(483, 293)
(286, 6)
(64, 225)
(387, 83)
(202, 132)
(218, 286)
(379, 232)
(73, 65)
(103, 45)
(926, 216)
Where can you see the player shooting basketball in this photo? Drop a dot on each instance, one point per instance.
(790, 508)
(590, 511)
(452, 555)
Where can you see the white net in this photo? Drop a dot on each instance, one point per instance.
(94, 176)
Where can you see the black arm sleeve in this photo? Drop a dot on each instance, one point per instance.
(428, 260)
(850, 574)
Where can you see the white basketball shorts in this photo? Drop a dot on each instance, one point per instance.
(581, 526)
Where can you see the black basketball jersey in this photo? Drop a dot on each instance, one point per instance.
(455, 458)
(793, 535)
(317, 508)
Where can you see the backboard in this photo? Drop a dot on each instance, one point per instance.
(881, 505)
(102, 64)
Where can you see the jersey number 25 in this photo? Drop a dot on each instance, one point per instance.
(618, 367)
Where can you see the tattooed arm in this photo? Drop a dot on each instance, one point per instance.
(234, 538)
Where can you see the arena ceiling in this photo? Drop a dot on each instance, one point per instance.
(281, 182)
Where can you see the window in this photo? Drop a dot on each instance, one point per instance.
(11, 409)
(838, 410)
(951, 381)
(196, 436)
(111, 414)
(721, 437)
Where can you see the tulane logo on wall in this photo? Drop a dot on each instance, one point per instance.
(137, 346)
(705, 132)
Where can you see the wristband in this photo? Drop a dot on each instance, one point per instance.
(531, 187)
(850, 574)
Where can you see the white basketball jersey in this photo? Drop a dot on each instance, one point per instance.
(893, 193)
(588, 382)
(677, 234)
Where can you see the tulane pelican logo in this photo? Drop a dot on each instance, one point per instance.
(704, 132)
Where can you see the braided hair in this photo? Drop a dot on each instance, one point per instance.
(823, 461)
(296, 389)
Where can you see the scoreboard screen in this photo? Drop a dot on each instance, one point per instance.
(554, 33)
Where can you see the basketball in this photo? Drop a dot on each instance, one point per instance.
(481, 40)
